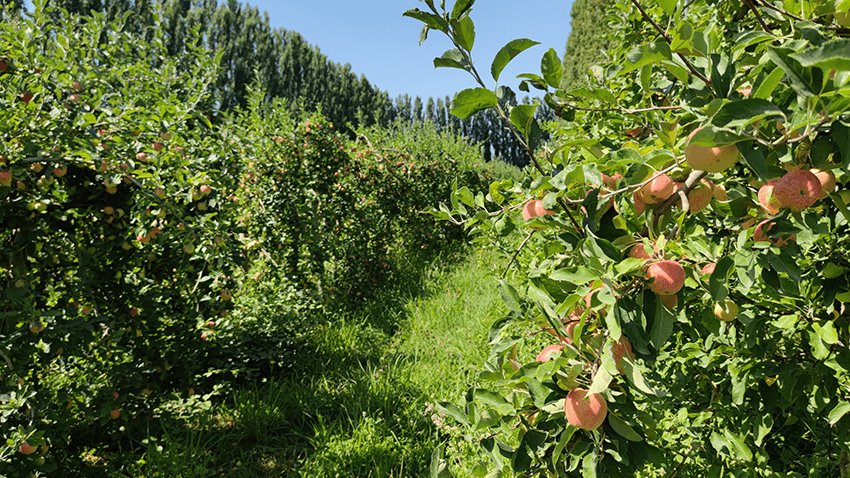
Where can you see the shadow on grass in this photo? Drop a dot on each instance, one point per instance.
(349, 406)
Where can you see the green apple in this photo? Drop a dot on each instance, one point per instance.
(726, 311)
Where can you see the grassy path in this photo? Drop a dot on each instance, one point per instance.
(357, 402)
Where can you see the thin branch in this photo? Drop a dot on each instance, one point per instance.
(622, 110)
(667, 39)
(504, 274)
(758, 15)
(791, 15)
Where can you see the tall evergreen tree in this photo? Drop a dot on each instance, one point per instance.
(587, 42)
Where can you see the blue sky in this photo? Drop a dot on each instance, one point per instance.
(382, 45)
(379, 43)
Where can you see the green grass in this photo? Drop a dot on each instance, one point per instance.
(356, 402)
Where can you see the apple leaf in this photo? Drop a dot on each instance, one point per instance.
(646, 54)
(507, 53)
(623, 429)
(717, 283)
(839, 411)
(738, 114)
(464, 32)
(434, 21)
(472, 100)
(832, 55)
(451, 59)
(552, 68)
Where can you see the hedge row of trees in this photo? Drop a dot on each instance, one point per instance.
(284, 65)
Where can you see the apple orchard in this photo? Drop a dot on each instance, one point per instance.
(678, 252)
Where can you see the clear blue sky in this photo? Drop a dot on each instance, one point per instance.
(379, 43)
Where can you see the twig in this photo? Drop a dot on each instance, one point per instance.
(675, 471)
(667, 39)
(504, 274)
(622, 110)
(791, 15)
(758, 15)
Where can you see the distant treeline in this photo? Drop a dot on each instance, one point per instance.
(284, 65)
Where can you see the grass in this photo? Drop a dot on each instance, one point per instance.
(356, 402)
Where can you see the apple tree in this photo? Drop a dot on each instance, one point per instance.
(679, 248)
(114, 251)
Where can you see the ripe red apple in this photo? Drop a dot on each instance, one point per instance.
(134, 312)
(585, 414)
(26, 96)
(710, 159)
(768, 199)
(760, 234)
(546, 354)
(27, 449)
(75, 98)
(115, 414)
(637, 251)
(77, 86)
(798, 190)
(665, 277)
(671, 301)
(142, 156)
(699, 197)
(6, 178)
(157, 146)
(827, 181)
(719, 192)
(205, 189)
(640, 204)
(621, 348)
(36, 167)
(658, 190)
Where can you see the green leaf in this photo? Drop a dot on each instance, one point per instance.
(461, 7)
(717, 282)
(592, 93)
(493, 399)
(452, 410)
(826, 332)
(472, 100)
(745, 39)
(646, 54)
(439, 467)
(552, 68)
(511, 298)
(507, 53)
(451, 59)
(766, 87)
(635, 378)
(755, 158)
(623, 428)
(434, 21)
(839, 411)
(738, 447)
(738, 114)
(600, 381)
(574, 275)
(464, 32)
(662, 325)
(832, 55)
(792, 68)
(668, 6)
(589, 465)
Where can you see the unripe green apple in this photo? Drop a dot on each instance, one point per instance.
(726, 311)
